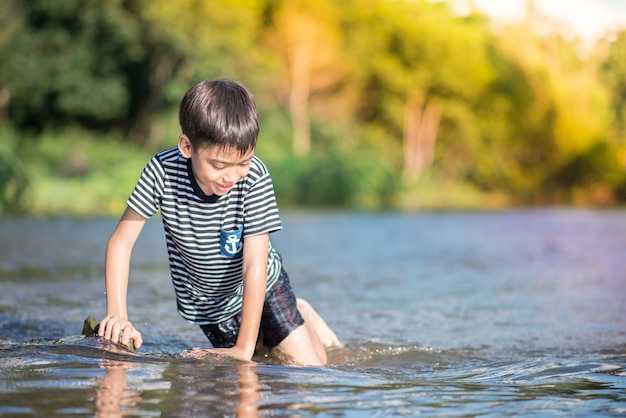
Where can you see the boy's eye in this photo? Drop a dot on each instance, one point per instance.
(221, 166)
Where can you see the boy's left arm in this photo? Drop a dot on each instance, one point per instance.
(254, 287)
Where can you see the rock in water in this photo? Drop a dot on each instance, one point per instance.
(90, 327)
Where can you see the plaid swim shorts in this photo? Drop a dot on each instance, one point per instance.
(279, 318)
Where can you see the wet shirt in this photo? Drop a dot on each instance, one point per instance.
(205, 234)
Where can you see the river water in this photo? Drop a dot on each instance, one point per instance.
(442, 314)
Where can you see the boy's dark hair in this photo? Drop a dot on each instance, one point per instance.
(219, 112)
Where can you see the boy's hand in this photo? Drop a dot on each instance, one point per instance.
(199, 353)
(119, 331)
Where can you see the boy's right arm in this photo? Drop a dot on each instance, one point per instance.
(115, 326)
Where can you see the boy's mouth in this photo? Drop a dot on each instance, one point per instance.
(224, 187)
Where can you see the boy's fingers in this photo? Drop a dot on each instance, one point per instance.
(110, 328)
(113, 328)
(137, 340)
(102, 326)
(129, 334)
(120, 331)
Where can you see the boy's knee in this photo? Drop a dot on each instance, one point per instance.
(303, 306)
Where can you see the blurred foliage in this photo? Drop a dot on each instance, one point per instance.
(66, 62)
(77, 173)
(338, 180)
(13, 180)
(362, 103)
(613, 73)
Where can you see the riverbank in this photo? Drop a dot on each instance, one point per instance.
(76, 173)
(82, 174)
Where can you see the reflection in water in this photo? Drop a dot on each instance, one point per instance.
(113, 396)
(212, 388)
(249, 390)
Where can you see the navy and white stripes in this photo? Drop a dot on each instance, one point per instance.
(208, 285)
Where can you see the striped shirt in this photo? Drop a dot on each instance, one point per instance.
(208, 285)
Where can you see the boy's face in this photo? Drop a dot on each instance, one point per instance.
(215, 168)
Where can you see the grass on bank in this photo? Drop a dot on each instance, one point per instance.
(76, 173)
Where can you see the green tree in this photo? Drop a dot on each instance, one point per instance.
(613, 74)
(306, 36)
(217, 38)
(420, 71)
(202, 39)
(89, 63)
(13, 180)
(548, 110)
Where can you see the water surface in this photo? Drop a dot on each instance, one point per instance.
(443, 314)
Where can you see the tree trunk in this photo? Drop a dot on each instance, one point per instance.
(299, 99)
(420, 133)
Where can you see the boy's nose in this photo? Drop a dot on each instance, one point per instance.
(230, 176)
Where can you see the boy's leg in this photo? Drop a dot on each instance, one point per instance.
(302, 347)
(307, 343)
(322, 331)
(287, 331)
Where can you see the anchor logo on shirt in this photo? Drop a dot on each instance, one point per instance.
(230, 242)
(231, 246)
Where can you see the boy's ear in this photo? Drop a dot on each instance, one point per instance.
(184, 146)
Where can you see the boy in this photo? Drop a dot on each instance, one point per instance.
(218, 208)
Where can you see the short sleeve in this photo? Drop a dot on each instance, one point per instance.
(146, 197)
(261, 210)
